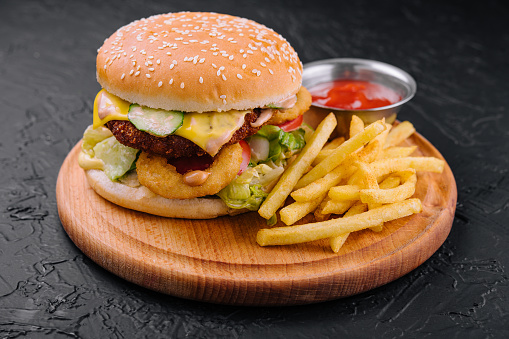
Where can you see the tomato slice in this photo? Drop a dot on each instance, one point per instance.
(187, 164)
(292, 124)
(246, 156)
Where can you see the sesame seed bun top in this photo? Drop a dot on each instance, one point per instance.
(198, 62)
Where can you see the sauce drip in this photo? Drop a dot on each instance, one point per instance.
(353, 95)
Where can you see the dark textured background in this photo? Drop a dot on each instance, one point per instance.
(456, 50)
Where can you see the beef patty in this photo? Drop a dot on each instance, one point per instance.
(173, 146)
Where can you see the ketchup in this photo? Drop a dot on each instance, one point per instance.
(353, 94)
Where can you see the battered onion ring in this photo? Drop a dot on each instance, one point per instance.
(162, 178)
(302, 105)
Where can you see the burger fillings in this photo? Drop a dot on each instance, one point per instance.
(183, 86)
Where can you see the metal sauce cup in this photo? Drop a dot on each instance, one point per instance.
(318, 72)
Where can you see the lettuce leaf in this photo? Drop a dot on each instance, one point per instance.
(250, 188)
(118, 159)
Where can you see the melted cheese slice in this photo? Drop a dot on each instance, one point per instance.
(211, 130)
(109, 107)
(208, 130)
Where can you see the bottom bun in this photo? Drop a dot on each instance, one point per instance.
(141, 199)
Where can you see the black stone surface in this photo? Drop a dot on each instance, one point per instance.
(456, 50)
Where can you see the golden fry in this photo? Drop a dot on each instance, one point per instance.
(333, 144)
(390, 182)
(337, 206)
(386, 196)
(370, 181)
(292, 174)
(341, 153)
(399, 133)
(345, 192)
(332, 228)
(338, 241)
(397, 152)
(295, 211)
(356, 125)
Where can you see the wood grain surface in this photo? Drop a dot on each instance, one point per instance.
(219, 261)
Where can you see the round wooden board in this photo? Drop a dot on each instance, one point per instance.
(219, 261)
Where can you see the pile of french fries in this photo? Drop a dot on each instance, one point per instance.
(349, 185)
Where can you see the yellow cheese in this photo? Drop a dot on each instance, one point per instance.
(211, 130)
(109, 107)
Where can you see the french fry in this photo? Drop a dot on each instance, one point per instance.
(341, 153)
(295, 211)
(371, 182)
(293, 173)
(356, 125)
(331, 228)
(344, 170)
(338, 241)
(382, 137)
(337, 206)
(386, 166)
(390, 182)
(345, 192)
(333, 144)
(397, 152)
(386, 196)
(399, 133)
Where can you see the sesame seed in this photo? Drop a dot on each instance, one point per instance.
(131, 72)
(224, 78)
(263, 64)
(230, 57)
(270, 71)
(151, 69)
(181, 85)
(202, 60)
(147, 75)
(200, 80)
(158, 61)
(254, 70)
(171, 81)
(218, 72)
(222, 96)
(239, 76)
(172, 65)
(224, 101)
(244, 55)
(258, 73)
(160, 84)
(243, 66)
(221, 68)
(137, 73)
(151, 57)
(214, 65)
(123, 76)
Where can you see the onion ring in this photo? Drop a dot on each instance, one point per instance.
(157, 175)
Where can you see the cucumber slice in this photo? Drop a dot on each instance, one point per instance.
(157, 122)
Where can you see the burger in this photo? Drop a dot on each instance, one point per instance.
(198, 115)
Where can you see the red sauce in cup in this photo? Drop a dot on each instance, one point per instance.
(353, 95)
